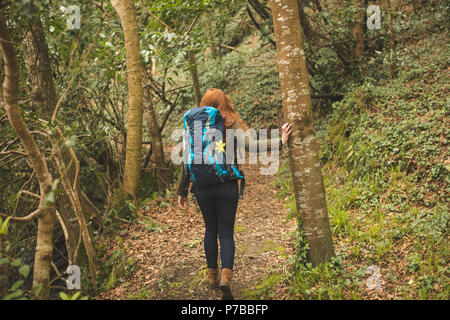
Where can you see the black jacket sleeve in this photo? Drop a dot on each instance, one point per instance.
(183, 182)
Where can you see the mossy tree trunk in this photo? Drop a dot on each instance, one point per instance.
(126, 12)
(303, 147)
(46, 210)
(194, 76)
(391, 40)
(358, 29)
(72, 217)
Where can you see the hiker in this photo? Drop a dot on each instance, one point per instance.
(218, 201)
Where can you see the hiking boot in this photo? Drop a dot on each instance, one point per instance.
(225, 284)
(213, 278)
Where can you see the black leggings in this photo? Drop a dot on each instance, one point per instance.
(218, 204)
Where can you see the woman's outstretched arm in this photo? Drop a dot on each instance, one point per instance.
(271, 144)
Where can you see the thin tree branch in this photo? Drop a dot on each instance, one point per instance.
(27, 218)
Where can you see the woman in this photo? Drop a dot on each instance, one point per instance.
(218, 203)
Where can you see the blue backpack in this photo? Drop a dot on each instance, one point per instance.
(205, 158)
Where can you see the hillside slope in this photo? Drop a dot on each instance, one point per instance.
(386, 163)
(386, 168)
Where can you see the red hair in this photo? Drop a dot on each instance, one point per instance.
(218, 99)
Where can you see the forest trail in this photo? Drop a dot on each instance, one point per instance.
(168, 258)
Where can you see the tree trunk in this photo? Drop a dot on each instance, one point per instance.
(44, 251)
(194, 75)
(303, 147)
(260, 8)
(306, 26)
(391, 39)
(46, 217)
(258, 26)
(43, 94)
(126, 12)
(358, 30)
(44, 97)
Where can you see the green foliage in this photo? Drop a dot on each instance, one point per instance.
(379, 127)
(75, 296)
(121, 208)
(17, 290)
(326, 281)
(4, 224)
(144, 294)
(117, 266)
(264, 289)
(153, 226)
(148, 184)
(250, 77)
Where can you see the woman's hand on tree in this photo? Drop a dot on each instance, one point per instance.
(287, 129)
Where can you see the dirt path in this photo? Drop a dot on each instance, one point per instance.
(168, 257)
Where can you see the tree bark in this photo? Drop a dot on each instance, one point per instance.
(258, 26)
(43, 99)
(391, 39)
(260, 8)
(126, 12)
(46, 217)
(306, 26)
(43, 94)
(194, 76)
(358, 30)
(303, 147)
